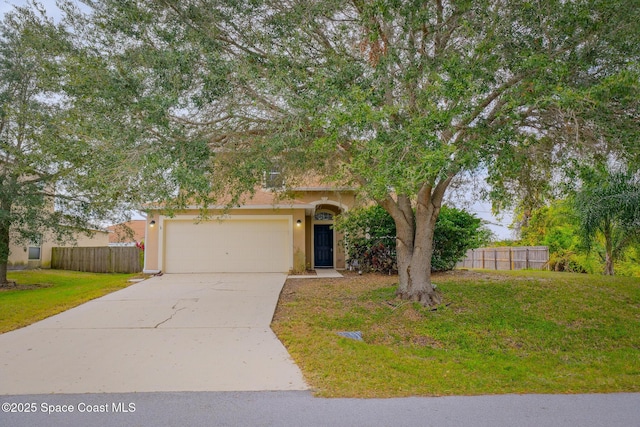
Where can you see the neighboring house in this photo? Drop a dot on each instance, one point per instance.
(262, 235)
(38, 254)
(128, 233)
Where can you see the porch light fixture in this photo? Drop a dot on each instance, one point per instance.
(299, 223)
(152, 223)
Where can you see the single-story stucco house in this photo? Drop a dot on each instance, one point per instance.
(261, 235)
(127, 233)
(38, 254)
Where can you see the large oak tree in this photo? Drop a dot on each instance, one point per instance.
(68, 160)
(396, 98)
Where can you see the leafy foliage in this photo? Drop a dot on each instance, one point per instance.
(372, 242)
(393, 98)
(370, 239)
(558, 226)
(629, 265)
(70, 157)
(555, 226)
(456, 231)
(608, 204)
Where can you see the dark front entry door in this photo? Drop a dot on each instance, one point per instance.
(323, 246)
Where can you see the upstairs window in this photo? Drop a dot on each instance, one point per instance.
(273, 179)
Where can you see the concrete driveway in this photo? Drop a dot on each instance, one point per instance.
(177, 332)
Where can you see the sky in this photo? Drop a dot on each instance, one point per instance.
(49, 5)
(499, 226)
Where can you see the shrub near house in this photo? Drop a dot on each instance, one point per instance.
(371, 241)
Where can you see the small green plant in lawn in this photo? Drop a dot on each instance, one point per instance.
(43, 293)
(511, 332)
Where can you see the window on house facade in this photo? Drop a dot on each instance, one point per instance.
(35, 250)
(273, 179)
(323, 216)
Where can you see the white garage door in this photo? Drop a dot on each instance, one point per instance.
(229, 246)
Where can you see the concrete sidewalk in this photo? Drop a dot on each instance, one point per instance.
(203, 332)
(321, 273)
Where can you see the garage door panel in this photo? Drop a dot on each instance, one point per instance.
(257, 245)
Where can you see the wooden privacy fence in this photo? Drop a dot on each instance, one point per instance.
(97, 259)
(507, 258)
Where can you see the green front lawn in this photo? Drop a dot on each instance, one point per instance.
(511, 332)
(43, 293)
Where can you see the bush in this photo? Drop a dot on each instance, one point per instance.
(573, 262)
(371, 239)
(630, 264)
(456, 232)
(555, 226)
(371, 242)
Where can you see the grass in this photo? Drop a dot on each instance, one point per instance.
(43, 293)
(507, 332)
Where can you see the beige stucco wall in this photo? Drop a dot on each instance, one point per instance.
(305, 203)
(334, 201)
(342, 201)
(19, 256)
(299, 249)
(152, 250)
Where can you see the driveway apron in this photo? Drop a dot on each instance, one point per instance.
(177, 332)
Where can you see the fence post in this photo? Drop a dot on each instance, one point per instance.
(510, 258)
(547, 253)
(513, 258)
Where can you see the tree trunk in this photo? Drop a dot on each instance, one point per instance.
(414, 242)
(3, 275)
(418, 286)
(405, 233)
(4, 253)
(5, 226)
(608, 243)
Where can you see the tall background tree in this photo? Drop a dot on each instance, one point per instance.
(395, 98)
(62, 169)
(607, 206)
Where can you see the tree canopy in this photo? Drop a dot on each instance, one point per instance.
(59, 176)
(608, 205)
(382, 94)
(393, 97)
